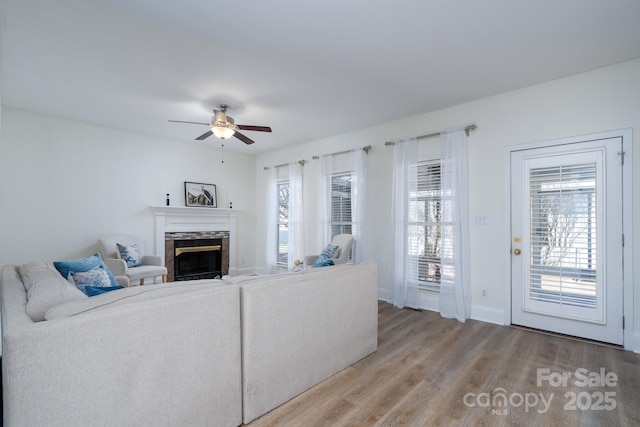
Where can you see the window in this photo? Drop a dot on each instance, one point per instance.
(283, 223)
(341, 222)
(425, 223)
(563, 234)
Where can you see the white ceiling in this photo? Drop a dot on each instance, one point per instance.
(309, 69)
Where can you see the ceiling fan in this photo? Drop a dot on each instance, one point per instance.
(223, 126)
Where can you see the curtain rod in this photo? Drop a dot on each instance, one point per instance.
(366, 149)
(302, 162)
(467, 129)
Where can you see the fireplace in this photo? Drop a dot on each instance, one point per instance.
(197, 259)
(196, 255)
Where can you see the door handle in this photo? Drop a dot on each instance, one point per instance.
(517, 251)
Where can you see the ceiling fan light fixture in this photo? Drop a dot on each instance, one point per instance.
(222, 125)
(223, 131)
(220, 117)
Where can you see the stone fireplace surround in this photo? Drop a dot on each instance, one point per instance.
(171, 221)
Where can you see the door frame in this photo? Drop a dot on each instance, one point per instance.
(627, 222)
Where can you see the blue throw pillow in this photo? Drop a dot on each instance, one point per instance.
(130, 255)
(93, 291)
(325, 256)
(83, 264)
(328, 251)
(323, 262)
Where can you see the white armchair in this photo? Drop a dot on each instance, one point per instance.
(150, 265)
(344, 242)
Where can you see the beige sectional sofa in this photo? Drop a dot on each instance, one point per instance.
(299, 329)
(201, 353)
(152, 355)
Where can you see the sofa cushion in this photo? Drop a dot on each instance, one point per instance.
(84, 264)
(48, 292)
(130, 254)
(35, 271)
(92, 291)
(131, 295)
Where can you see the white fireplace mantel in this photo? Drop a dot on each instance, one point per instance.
(185, 219)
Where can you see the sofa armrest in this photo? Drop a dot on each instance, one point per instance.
(151, 260)
(309, 259)
(117, 266)
(123, 281)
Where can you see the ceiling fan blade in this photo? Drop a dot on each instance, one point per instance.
(256, 128)
(243, 138)
(205, 135)
(193, 123)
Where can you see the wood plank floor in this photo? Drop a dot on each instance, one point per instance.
(430, 371)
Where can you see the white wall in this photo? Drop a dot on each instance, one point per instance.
(601, 100)
(63, 183)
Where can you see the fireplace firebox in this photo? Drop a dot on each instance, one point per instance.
(211, 263)
(197, 259)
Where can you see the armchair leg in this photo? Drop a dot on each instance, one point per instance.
(141, 282)
(164, 278)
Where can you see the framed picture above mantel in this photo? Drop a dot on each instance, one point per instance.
(200, 195)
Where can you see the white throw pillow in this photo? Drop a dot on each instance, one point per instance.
(35, 271)
(96, 277)
(130, 254)
(49, 292)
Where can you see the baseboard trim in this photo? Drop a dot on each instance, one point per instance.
(384, 295)
(431, 301)
(489, 315)
(635, 345)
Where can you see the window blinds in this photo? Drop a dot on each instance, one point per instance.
(425, 228)
(341, 204)
(283, 222)
(563, 245)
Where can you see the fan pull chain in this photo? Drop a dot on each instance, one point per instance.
(222, 151)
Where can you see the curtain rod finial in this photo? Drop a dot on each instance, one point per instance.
(469, 128)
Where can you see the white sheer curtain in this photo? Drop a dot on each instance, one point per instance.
(455, 295)
(324, 201)
(403, 268)
(359, 160)
(295, 214)
(271, 218)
